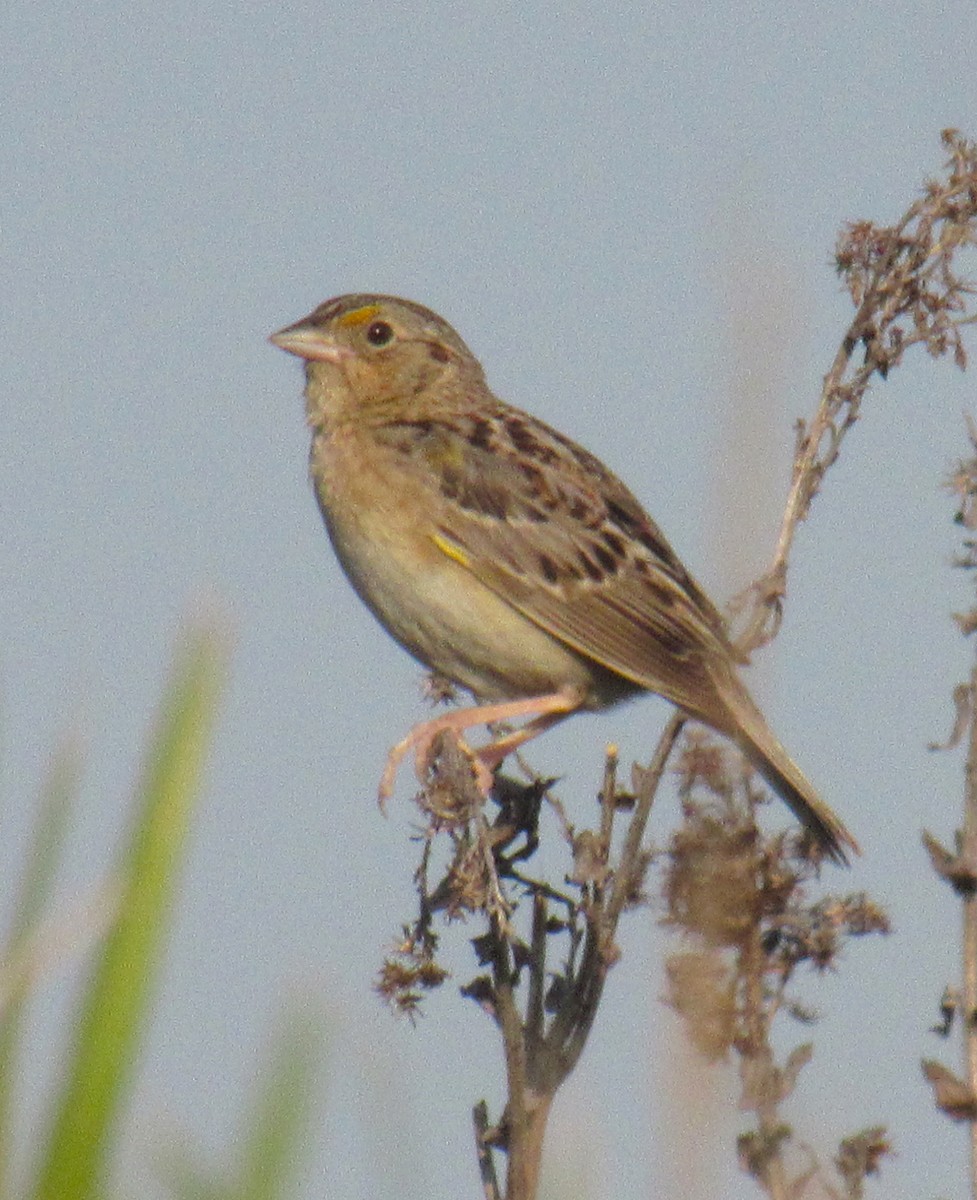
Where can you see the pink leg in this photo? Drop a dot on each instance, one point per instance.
(493, 755)
(546, 711)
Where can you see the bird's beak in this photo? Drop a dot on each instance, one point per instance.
(307, 341)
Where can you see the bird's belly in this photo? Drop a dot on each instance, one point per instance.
(453, 624)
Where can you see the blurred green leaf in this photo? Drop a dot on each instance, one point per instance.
(280, 1113)
(41, 863)
(189, 1181)
(121, 987)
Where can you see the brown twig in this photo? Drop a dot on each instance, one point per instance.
(740, 900)
(483, 1151)
(902, 281)
(646, 783)
(957, 1097)
(968, 853)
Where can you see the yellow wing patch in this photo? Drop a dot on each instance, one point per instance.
(360, 316)
(451, 550)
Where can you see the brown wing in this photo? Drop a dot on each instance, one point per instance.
(546, 526)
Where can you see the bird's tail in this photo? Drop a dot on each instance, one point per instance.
(760, 745)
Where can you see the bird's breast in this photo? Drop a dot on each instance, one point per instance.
(382, 521)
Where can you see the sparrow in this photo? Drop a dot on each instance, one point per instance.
(505, 557)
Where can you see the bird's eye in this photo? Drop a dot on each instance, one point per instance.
(379, 333)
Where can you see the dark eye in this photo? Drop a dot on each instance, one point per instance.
(379, 333)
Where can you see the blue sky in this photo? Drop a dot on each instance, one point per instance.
(630, 216)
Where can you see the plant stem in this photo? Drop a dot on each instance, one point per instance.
(968, 852)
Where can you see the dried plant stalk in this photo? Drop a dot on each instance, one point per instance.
(954, 1096)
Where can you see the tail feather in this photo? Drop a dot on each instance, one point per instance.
(761, 746)
(785, 777)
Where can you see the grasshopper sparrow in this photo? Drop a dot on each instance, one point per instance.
(504, 556)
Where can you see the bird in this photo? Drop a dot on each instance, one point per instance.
(504, 556)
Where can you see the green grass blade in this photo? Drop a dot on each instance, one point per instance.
(121, 987)
(274, 1139)
(186, 1180)
(41, 864)
(282, 1110)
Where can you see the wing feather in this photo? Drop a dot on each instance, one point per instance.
(547, 527)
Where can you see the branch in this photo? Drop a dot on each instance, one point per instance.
(906, 292)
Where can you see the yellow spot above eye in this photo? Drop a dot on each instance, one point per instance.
(360, 316)
(455, 553)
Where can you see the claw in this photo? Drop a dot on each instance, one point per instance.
(545, 711)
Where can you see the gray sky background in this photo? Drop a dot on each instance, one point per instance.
(630, 216)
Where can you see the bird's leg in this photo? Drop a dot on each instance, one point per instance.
(492, 756)
(546, 711)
